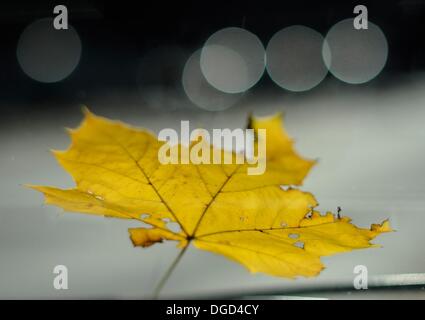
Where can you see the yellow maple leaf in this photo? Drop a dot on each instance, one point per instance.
(219, 207)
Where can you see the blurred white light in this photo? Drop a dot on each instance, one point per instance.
(233, 60)
(46, 54)
(294, 58)
(355, 56)
(200, 92)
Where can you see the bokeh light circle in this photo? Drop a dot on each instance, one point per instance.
(294, 58)
(355, 56)
(233, 60)
(200, 92)
(46, 54)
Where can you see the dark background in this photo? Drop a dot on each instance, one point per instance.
(115, 34)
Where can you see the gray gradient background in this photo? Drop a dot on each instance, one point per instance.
(371, 149)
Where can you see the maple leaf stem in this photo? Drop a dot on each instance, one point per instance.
(169, 271)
